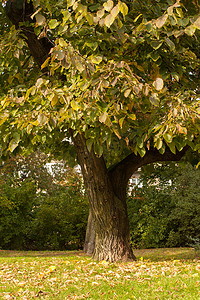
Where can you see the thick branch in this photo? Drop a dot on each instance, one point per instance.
(39, 48)
(122, 172)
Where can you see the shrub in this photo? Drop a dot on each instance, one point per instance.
(165, 211)
(41, 210)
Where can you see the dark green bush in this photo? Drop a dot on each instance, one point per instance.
(59, 222)
(41, 210)
(165, 212)
(16, 204)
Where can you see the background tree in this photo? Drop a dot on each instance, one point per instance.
(120, 79)
(41, 209)
(164, 212)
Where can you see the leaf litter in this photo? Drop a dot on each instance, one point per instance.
(81, 278)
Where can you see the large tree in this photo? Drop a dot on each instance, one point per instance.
(118, 79)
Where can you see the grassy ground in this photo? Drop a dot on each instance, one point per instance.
(157, 274)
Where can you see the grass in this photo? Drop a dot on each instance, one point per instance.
(157, 274)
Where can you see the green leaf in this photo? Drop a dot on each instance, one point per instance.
(140, 142)
(70, 2)
(154, 99)
(96, 59)
(168, 137)
(89, 144)
(172, 147)
(141, 151)
(89, 18)
(40, 19)
(162, 150)
(190, 30)
(154, 56)
(4, 119)
(53, 23)
(62, 43)
(170, 44)
(79, 64)
(66, 15)
(12, 145)
(159, 144)
(16, 137)
(98, 149)
(156, 44)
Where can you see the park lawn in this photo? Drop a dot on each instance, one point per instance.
(157, 274)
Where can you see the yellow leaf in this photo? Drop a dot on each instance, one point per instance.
(100, 13)
(109, 20)
(10, 79)
(161, 21)
(132, 116)
(197, 23)
(51, 269)
(23, 283)
(103, 117)
(45, 63)
(190, 30)
(96, 59)
(89, 18)
(75, 105)
(121, 121)
(115, 10)
(123, 8)
(104, 263)
(108, 5)
(127, 93)
(12, 145)
(54, 100)
(158, 84)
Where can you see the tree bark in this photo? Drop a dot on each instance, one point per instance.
(89, 244)
(109, 218)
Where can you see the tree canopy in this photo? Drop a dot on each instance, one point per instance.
(126, 74)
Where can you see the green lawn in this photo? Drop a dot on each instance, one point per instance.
(158, 274)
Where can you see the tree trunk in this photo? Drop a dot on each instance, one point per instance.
(89, 244)
(108, 220)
